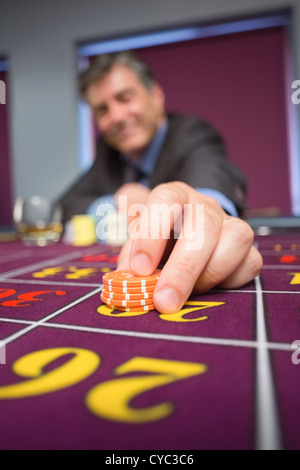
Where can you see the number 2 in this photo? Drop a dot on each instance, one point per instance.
(111, 400)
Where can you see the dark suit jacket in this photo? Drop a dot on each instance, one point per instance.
(193, 152)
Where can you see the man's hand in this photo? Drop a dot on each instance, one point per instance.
(222, 254)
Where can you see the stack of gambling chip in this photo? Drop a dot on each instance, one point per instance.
(124, 291)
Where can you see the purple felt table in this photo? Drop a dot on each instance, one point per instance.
(76, 375)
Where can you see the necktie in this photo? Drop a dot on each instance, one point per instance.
(132, 174)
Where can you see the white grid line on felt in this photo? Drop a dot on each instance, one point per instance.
(155, 336)
(86, 284)
(268, 431)
(42, 264)
(34, 325)
(53, 283)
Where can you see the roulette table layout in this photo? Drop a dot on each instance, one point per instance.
(223, 373)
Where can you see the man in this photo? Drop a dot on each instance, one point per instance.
(154, 158)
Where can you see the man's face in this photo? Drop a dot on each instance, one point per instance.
(127, 113)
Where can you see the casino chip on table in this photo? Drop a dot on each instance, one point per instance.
(124, 291)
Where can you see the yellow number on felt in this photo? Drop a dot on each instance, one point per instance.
(296, 278)
(177, 316)
(197, 305)
(47, 272)
(107, 312)
(79, 273)
(77, 368)
(111, 399)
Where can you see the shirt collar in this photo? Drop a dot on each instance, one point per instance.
(147, 161)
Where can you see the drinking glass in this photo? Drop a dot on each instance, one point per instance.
(38, 221)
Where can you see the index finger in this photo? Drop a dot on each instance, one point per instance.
(157, 221)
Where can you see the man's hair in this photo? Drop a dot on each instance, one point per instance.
(103, 63)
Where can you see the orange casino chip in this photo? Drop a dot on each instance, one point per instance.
(145, 308)
(126, 296)
(129, 290)
(127, 279)
(126, 303)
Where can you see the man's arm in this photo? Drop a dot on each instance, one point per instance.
(78, 197)
(103, 178)
(195, 153)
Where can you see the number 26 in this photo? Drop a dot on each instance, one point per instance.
(111, 399)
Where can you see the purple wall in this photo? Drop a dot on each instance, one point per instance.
(237, 83)
(5, 175)
(234, 81)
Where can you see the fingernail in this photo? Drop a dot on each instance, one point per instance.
(168, 300)
(141, 264)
